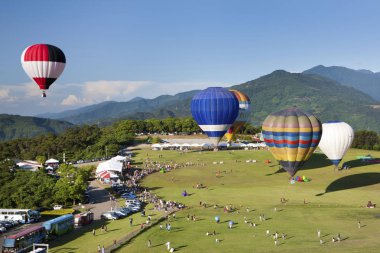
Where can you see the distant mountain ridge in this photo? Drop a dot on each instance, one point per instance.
(328, 99)
(15, 126)
(138, 108)
(362, 79)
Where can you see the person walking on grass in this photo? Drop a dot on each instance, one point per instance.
(319, 233)
(93, 232)
(99, 249)
(149, 243)
(130, 221)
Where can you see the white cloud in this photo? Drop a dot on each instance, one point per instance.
(98, 91)
(25, 98)
(71, 100)
(5, 95)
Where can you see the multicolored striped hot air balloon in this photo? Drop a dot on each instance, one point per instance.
(44, 64)
(243, 116)
(214, 109)
(336, 139)
(292, 136)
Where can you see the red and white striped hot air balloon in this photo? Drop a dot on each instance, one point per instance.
(44, 64)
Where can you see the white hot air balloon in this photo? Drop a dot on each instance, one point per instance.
(336, 139)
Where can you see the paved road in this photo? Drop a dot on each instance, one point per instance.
(102, 200)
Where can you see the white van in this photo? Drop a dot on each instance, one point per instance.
(132, 201)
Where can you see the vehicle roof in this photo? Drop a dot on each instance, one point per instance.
(24, 232)
(58, 219)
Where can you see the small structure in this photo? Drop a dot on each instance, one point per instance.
(29, 165)
(52, 163)
(83, 219)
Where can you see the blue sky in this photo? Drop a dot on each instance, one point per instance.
(117, 50)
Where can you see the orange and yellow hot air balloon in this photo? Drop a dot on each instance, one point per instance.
(244, 111)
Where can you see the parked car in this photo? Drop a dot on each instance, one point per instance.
(128, 195)
(57, 207)
(109, 216)
(132, 201)
(126, 210)
(121, 213)
(3, 229)
(7, 224)
(134, 207)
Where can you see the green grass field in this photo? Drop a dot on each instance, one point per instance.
(334, 200)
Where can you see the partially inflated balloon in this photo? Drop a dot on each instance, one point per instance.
(214, 109)
(44, 64)
(243, 116)
(292, 136)
(336, 139)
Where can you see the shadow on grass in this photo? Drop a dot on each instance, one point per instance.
(352, 181)
(157, 245)
(360, 163)
(180, 247)
(153, 188)
(67, 250)
(316, 161)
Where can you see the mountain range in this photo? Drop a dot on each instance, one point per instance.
(310, 91)
(15, 126)
(362, 79)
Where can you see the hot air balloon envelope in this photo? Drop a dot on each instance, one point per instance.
(336, 139)
(43, 63)
(292, 136)
(214, 109)
(243, 116)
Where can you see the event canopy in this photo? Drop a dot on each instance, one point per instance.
(107, 174)
(110, 165)
(119, 158)
(52, 160)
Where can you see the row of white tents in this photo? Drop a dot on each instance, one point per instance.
(158, 146)
(108, 168)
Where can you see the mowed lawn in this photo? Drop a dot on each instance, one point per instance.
(334, 200)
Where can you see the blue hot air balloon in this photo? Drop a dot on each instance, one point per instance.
(215, 110)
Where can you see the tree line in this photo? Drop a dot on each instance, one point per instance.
(26, 189)
(87, 142)
(366, 140)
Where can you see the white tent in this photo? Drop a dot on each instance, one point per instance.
(119, 158)
(156, 145)
(110, 165)
(52, 160)
(195, 145)
(166, 145)
(263, 144)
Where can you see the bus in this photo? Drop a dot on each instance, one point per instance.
(20, 215)
(59, 226)
(23, 241)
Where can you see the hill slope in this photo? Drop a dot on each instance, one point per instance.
(363, 80)
(328, 99)
(138, 108)
(15, 126)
